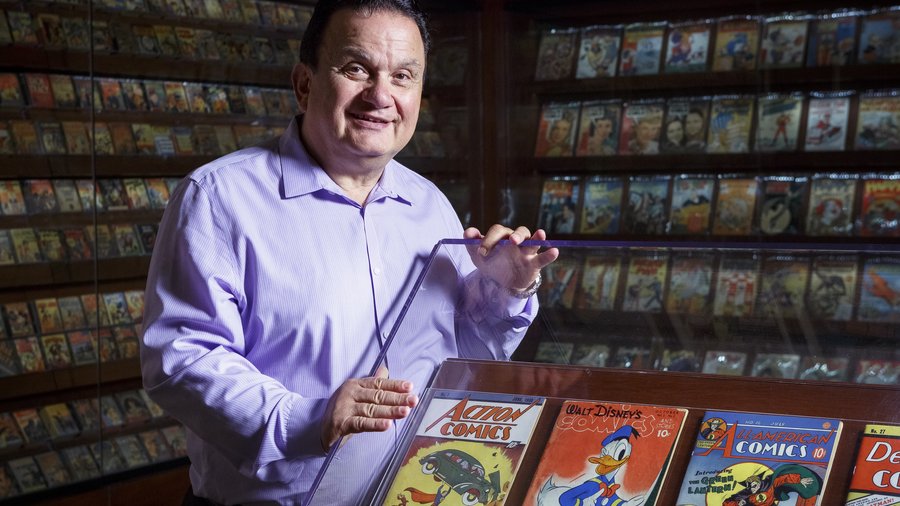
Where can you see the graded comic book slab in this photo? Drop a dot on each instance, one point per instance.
(874, 475)
(598, 54)
(826, 122)
(687, 47)
(602, 205)
(641, 49)
(832, 198)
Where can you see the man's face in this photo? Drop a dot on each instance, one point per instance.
(363, 100)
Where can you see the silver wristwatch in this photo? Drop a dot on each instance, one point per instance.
(528, 292)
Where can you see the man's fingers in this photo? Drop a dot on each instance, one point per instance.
(384, 397)
(389, 385)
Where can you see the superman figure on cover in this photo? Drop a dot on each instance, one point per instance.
(602, 488)
(776, 487)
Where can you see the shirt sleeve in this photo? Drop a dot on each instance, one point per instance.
(193, 344)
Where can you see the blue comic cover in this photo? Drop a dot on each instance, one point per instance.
(756, 458)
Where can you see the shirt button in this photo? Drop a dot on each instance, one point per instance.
(376, 271)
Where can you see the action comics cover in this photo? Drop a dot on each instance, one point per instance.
(599, 282)
(736, 286)
(878, 213)
(559, 204)
(690, 284)
(641, 49)
(743, 457)
(878, 121)
(645, 208)
(879, 37)
(556, 129)
(735, 206)
(598, 54)
(832, 198)
(737, 43)
(826, 121)
(832, 39)
(778, 119)
(783, 289)
(556, 54)
(462, 448)
(729, 124)
(687, 47)
(645, 283)
(685, 126)
(879, 298)
(691, 207)
(782, 205)
(641, 127)
(832, 288)
(784, 41)
(876, 464)
(598, 130)
(604, 452)
(602, 205)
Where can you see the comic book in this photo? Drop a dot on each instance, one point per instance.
(606, 451)
(556, 129)
(147, 234)
(735, 206)
(738, 456)
(645, 283)
(680, 361)
(599, 283)
(108, 456)
(127, 240)
(132, 451)
(687, 47)
(878, 121)
(56, 351)
(880, 291)
(5, 39)
(641, 127)
(875, 464)
(249, 135)
(122, 139)
(685, 126)
(7, 250)
(691, 207)
(111, 93)
(26, 137)
(93, 309)
(28, 474)
(106, 346)
(737, 44)
(48, 317)
(196, 96)
(71, 312)
(823, 368)
(205, 141)
(878, 209)
(133, 95)
(641, 49)
(11, 90)
(602, 205)
(133, 407)
(253, 101)
(75, 30)
(51, 245)
(77, 245)
(8, 486)
(832, 288)
(879, 38)
(631, 357)
(53, 469)
(832, 198)
(441, 461)
(155, 444)
(726, 363)
(186, 38)
(560, 281)
(782, 292)
(598, 54)
(19, 318)
(39, 92)
(63, 91)
(784, 41)
(144, 139)
(22, 28)
(877, 372)
(556, 54)
(66, 195)
(690, 284)
(31, 425)
(832, 39)
(59, 421)
(50, 30)
(116, 308)
(7, 142)
(736, 286)
(81, 343)
(102, 239)
(10, 436)
(136, 193)
(645, 208)
(560, 198)
(826, 121)
(88, 93)
(80, 462)
(26, 244)
(157, 192)
(729, 124)
(76, 136)
(114, 194)
(781, 209)
(176, 99)
(9, 361)
(101, 138)
(598, 131)
(53, 141)
(778, 118)
(12, 201)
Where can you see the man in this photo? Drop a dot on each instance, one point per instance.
(280, 270)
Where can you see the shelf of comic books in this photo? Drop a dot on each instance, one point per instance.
(537, 434)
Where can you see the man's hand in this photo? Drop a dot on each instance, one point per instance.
(511, 266)
(366, 405)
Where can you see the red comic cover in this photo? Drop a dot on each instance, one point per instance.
(601, 453)
(462, 446)
(877, 466)
(879, 208)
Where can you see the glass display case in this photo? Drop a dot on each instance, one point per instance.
(679, 347)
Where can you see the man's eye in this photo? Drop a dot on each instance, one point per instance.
(354, 70)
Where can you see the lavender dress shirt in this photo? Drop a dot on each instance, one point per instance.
(269, 288)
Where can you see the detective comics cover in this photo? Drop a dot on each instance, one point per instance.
(756, 458)
(875, 474)
(601, 453)
(464, 448)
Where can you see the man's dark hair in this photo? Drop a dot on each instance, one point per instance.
(315, 30)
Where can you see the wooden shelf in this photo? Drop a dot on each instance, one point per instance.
(69, 220)
(43, 383)
(79, 166)
(60, 273)
(154, 118)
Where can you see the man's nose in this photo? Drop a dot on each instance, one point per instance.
(378, 92)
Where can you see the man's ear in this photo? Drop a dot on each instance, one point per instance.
(300, 79)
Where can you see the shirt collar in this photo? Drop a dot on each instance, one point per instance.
(301, 174)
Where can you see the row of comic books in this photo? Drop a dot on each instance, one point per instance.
(257, 13)
(721, 124)
(728, 283)
(24, 137)
(76, 244)
(466, 447)
(43, 196)
(725, 362)
(73, 33)
(52, 315)
(108, 94)
(732, 43)
(820, 205)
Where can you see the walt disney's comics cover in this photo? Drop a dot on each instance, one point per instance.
(756, 458)
(606, 453)
(875, 473)
(463, 448)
